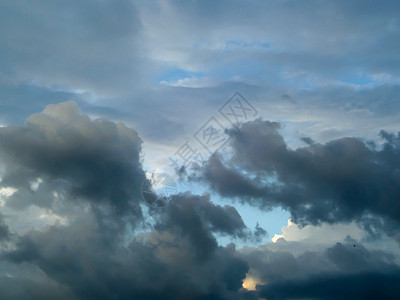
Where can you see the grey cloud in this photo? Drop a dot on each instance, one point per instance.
(105, 46)
(14, 107)
(93, 264)
(113, 54)
(341, 180)
(363, 286)
(307, 140)
(359, 259)
(341, 271)
(259, 233)
(87, 46)
(197, 218)
(94, 257)
(108, 50)
(93, 166)
(27, 282)
(228, 182)
(4, 230)
(315, 40)
(97, 160)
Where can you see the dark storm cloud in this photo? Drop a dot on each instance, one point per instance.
(161, 264)
(365, 286)
(4, 230)
(22, 285)
(341, 180)
(93, 264)
(340, 272)
(92, 256)
(259, 233)
(228, 182)
(113, 54)
(196, 217)
(351, 257)
(98, 253)
(307, 140)
(96, 160)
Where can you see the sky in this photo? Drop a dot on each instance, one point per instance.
(199, 149)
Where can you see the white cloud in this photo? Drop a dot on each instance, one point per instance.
(323, 234)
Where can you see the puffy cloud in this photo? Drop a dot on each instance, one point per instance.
(340, 181)
(73, 156)
(95, 264)
(89, 172)
(85, 175)
(197, 218)
(321, 234)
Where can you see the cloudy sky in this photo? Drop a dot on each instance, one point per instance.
(199, 149)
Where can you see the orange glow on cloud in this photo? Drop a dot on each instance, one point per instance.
(249, 283)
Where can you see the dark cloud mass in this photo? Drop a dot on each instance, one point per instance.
(107, 248)
(94, 265)
(368, 286)
(73, 221)
(339, 272)
(97, 160)
(343, 180)
(4, 230)
(90, 173)
(196, 217)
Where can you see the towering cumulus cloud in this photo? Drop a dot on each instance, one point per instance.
(94, 160)
(88, 173)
